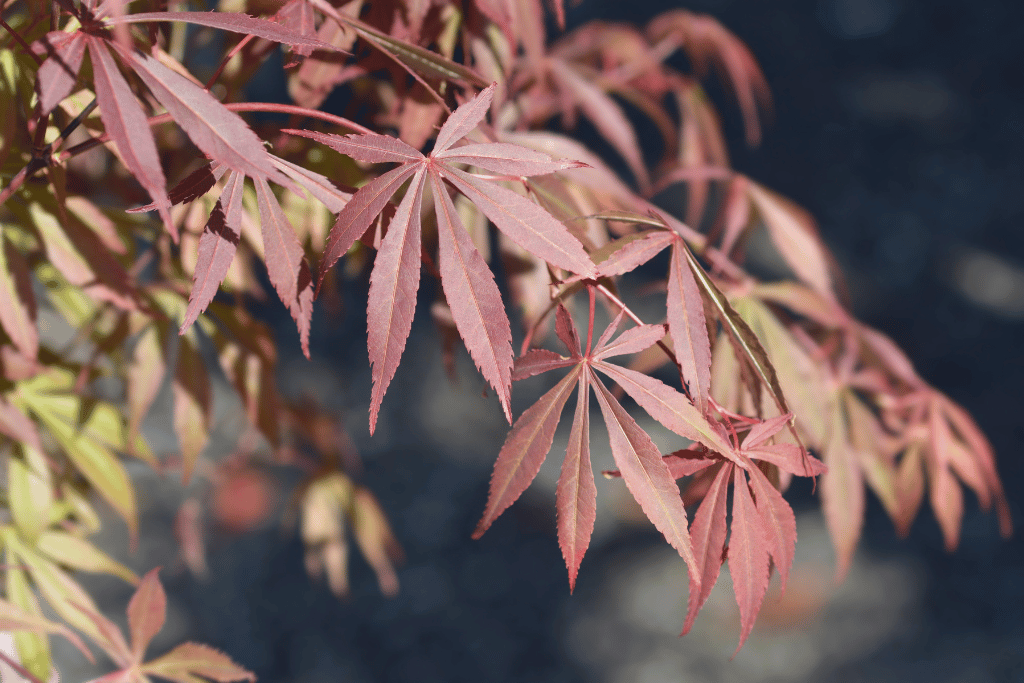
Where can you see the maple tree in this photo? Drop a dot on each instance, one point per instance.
(769, 380)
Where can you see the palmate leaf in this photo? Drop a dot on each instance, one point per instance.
(647, 476)
(756, 503)
(468, 285)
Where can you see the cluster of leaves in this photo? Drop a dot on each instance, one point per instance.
(101, 308)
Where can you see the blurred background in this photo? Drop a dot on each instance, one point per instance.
(900, 126)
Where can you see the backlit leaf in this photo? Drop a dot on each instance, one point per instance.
(17, 302)
(231, 21)
(216, 249)
(221, 134)
(126, 124)
(187, 662)
(146, 612)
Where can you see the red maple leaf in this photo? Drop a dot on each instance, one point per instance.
(468, 283)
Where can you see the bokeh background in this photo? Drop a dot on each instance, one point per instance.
(900, 126)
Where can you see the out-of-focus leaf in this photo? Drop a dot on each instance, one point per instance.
(794, 234)
(909, 488)
(842, 492)
(706, 40)
(798, 375)
(146, 612)
(56, 76)
(193, 405)
(871, 445)
(68, 599)
(29, 492)
(32, 645)
(79, 256)
(192, 662)
(88, 444)
(606, 115)
(79, 554)
(376, 541)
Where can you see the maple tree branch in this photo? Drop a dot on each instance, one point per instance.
(41, 158)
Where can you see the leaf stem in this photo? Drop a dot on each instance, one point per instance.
(227, 58)
(590, 325)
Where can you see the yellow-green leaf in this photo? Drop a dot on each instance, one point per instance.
(30, 492)
(78, 553)
(33, 648)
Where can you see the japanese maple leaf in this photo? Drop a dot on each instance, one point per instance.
(468, 283)
(186, 663)
(646, 474)
(763, 528)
